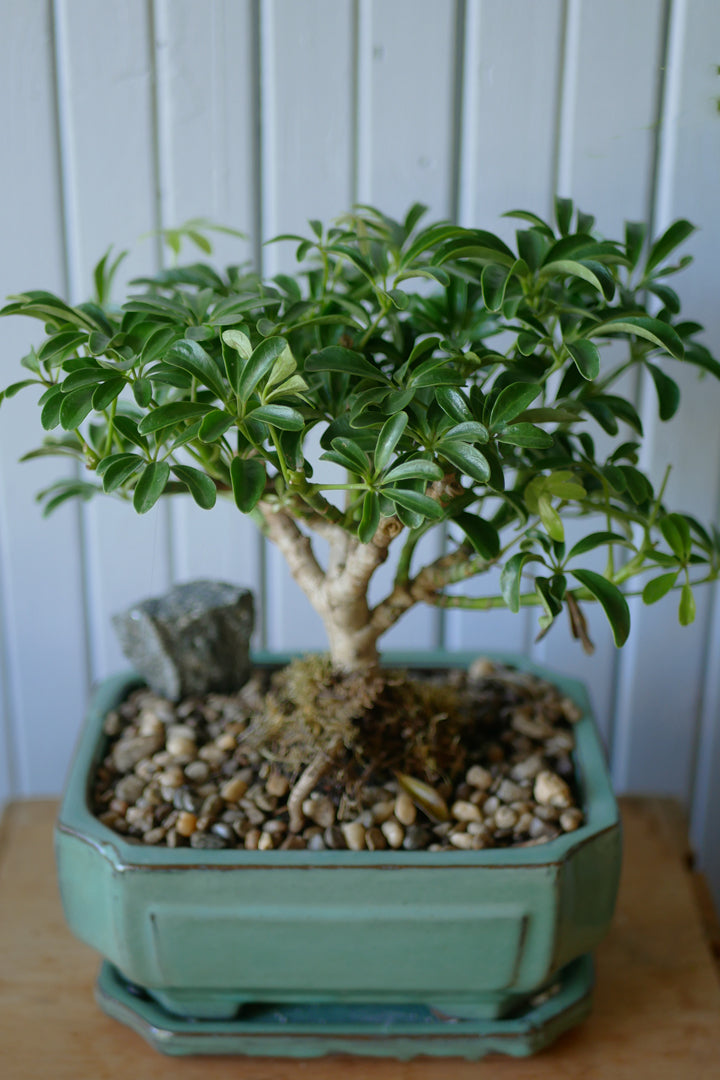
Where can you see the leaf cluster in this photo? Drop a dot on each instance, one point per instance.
(452, 378)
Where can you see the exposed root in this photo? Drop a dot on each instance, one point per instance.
(307, 782)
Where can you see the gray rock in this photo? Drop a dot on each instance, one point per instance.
(128, 752)
(192, 640)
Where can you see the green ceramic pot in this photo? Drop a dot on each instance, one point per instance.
(471, 934)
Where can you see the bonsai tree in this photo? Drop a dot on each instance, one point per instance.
(455, 382)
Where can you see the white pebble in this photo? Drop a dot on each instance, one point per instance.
(405, 809)
(354, 833)
(479, 777)
(551, 790)
(571, 819)
(393, 832)
(465, 811)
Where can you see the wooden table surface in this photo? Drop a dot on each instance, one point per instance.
(657, 1000)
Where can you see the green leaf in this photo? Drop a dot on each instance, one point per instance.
(493, 283)
(358, 460)
(337, 358)
(668, 296)
(389, 437)
(511, 579)
(413, 469)
(586, 357)
(668, 392)
(174, 412)
(482, 535)
(563, 214)
(665, 244)
(414, 501)
(106, 393)
(635, 232)
(238, 341)
(191, 357)
(128, 428)
(512, 400)
(150, 486)
(466, 458)
(74, 407)
(596, 540)
(550, 518)
(592, 272)
(453, 404)
(659, 587)
(468, 431)
(526, 435)
(259, 364)
(200, 486)
(120, 469)
(370, 517)
(214, 425)
(279, 416)
(659, 333)
(676, 532)
(142, 392)
(248, 482)
(15, 388)
(611, 600)
(686, 611)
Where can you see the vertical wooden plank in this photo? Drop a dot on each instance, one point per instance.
(307, 65)
(508, 134)
(662, 675)
(606, 151)
(407, 153)
(108, 121)
(208, 168)
(40, 562)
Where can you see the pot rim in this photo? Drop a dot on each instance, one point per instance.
(601, 812)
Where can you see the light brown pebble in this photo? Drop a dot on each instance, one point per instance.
(505, 818)
(480, 669)
(212, 755)
(490, 805)
(539, 828)
(551, 790)
(173, 777)
(268, 803)
(571, 819)
(478, 777)
(119, 806)
(197, 771)
(139, 818)
(570, 710)
(276, 827)
(171, 838)
(252, 813)
(293, 843)
(528, 768)
(523, 822)
(226, 742)
(532, 726)
(405, 809)
(375, 840)
(562, 742)
(477, 828)
(465, 811)
(181, 748)
(510, 792)
(109, 818)
(233, 789)
(186, 824)
(113, 724)
(180, 731)
(130, 788)
(354, 834)
(252, 839)
(546, 813)
(463, 840)
(146, 769)
(320, 810)
(393, 832)
(154, 836)
(277, 784)
(128, 752)
(266, 842)
(382, 810)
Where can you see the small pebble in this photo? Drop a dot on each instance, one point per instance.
(207, 841)
(393, 832)
(505, 818)
(354, 834)
(375, 840)
(128, 752)
(465, 841)
(277, 784)
(186, 824)
(383, 810)
(405, 809)
(316, 843)
(465, 811)
(320, 810)
(252, 839)
(510, 792)
(551, 790)
(154, 836)
(334, 838)
(221, 828)
(130, 788)
(266, 842)
(479, 777)
(197, 771)
(233, 789)
(571, 819)
(416, 838)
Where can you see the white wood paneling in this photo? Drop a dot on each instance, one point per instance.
(662, 667)
(107, 127)
(307, 99)
(205, 108)
(42, 593)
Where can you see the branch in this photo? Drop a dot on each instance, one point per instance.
(297, 551)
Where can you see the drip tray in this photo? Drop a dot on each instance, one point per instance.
(397, 1031)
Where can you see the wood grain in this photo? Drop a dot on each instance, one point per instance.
(657, 1002)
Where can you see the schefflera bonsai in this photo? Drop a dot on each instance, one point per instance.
(458, 384)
